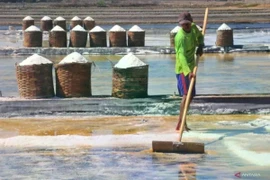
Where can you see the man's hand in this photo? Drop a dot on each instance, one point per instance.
(191, 75)
(200, 50)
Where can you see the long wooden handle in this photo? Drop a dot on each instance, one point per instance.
(192, 82)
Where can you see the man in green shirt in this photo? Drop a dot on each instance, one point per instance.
(188, 42)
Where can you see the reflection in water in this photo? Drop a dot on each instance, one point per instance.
(225, 57)
(187, 171)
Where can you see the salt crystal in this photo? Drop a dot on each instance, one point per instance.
(176, 29)
(74, 58)
(224, 27)
(89, 19)
(78, 28)
(35, 59)
(136, 28)
(129, 60)
(32, 28)
(60, 19)
(97, 29)
(76, 18)
(57, 28)
(117, 28)
(46, 18)
(27, 18)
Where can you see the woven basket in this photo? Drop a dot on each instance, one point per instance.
(74, 23)
(27, 23)
(32, 39)
(172, 37)
(88, 25)
(78, 38)
(46, 25)
(73, 80)
(58, 39)
(118, 39)
(98, 39)
(224, 38)
(130, 82)
(136, 38)
(62, 24)
(35, 81)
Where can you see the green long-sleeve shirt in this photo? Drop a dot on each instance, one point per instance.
(185, 46)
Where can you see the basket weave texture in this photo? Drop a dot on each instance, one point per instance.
(46, 25)
(224, 38)
(32, 39)
(62, 24)
(74, 23)
(130, 82)
(35, 81)
(73, 80)
(78, 38)
(98, 39)
(136, 39)
(88, 25)
(118, 39)
(58, 39)
(27, 23)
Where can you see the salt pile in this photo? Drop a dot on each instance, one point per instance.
(78, 28)
(88, 18)
(129, 60)
(117, 28)
(74, 58)
(76, 18)
(176, 29)
(28, 18)
(35, 59)
(46, 18)
(57, 28)
(32, 28)
(97, 29)
(136, 28)
(224, 27)
(60, 19)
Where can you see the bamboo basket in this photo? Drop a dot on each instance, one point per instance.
(74, 23)
(58, 39)
(78, 38)
(118, 39)
(46, 25)
(32, 39)
(73, 80)
(62, 24)
(27, 23)
(35, 81)
(88, 25)
(224, 38)
(98, 39)
(136, 39)
(130, 82)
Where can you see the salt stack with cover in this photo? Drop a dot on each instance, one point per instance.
(98, 37)
(117, 36)
(136, 36)
(224, 36)
(60, 21)
(173, 34)
(130, 78)
(75, 21)
(78, 37)
(58, 37)
(73, 76)
(34, 77)
(32, 37)
(88, 23)
(27, 22)
(46, 23)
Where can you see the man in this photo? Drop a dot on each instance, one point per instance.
(187, 39)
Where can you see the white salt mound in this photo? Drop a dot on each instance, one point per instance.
(27, 18)
(57, 28)
(76, 18)
(136, 28)
(35, 59)
(224, 27)
(32, 28)
(74, 58)
(78, 28)
(88, 18)
(60, 19)
(97, 29)
(176, 29)
(129, 60)
(46, 18)
(117, 28)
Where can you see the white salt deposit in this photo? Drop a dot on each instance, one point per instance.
(32, 28)
(88, 18)
(224, 27)
(176, 29)
(78, 28)
(97, 29)
(76, 18)
(129, 60)
(136, 28)
(74, 58)
(57, 28)
(46, 18)
(117, 28)
(27, 18)
(60, 19)
(35, 59)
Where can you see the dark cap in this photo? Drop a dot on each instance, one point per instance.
(185, 17)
